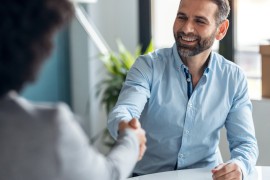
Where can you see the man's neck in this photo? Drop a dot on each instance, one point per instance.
(196, 65)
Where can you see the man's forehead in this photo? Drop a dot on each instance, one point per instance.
(204, 8)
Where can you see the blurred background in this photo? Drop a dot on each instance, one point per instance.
(75, 68)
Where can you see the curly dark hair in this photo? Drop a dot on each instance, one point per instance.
(27, 28)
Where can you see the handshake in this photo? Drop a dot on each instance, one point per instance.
(135, 126)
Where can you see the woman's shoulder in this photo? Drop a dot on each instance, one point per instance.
(16, 107)
(42, 119)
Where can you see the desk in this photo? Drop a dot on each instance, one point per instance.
(261, 173)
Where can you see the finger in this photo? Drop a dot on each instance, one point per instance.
(229, 176)
(142, 151)
(142, 145)
(143, 140)
(218, 167)
(134, 123)
(142, 137)
(226, 169)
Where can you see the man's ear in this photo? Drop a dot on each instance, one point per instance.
(222, 29)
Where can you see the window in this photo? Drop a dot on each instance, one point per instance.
(251, 30)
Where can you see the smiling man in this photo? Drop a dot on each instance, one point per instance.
(185, 94)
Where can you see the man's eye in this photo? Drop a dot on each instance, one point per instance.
(182, 17)
(200, 21)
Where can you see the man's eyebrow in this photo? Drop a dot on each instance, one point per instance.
(202, 18)
(181, 13)
(196, 17)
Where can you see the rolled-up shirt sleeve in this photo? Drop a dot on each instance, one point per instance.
(240, 129)
(133, 96)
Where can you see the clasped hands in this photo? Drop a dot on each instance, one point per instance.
(135, 126)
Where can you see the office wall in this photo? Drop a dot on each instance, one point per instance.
(117, 19)
(261, 117)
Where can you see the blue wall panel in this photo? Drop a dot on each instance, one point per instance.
(53, 82)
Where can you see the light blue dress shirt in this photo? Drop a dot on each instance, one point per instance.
(184, 132)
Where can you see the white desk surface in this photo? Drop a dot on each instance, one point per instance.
(261, 173)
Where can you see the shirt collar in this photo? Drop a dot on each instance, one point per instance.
(177, 60)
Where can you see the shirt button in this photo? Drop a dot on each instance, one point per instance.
(187, 131)
(203, 81)
(188, 80)
(181, 156)
(190, 105)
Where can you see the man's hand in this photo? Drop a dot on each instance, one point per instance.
(135, 125)
(227, 171)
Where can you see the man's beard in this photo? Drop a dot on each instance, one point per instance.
(187, 50)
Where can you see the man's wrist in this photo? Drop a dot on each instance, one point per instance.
(241, 166)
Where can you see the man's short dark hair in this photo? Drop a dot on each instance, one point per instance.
(27, 28)
(223, 10)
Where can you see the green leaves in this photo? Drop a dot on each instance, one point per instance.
(117, 65)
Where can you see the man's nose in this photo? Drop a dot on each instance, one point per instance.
(188, 27)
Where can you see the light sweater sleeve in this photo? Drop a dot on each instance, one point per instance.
(78, 160)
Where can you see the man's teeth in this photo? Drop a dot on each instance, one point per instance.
(188, 39)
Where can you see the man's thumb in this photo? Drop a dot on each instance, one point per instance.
(134, 123)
